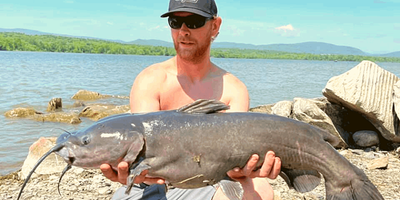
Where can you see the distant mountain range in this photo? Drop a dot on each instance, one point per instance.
(304, 47)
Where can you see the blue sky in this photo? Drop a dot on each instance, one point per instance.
(370, 25)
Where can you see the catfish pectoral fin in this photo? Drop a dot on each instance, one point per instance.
(135, 171)
(232, 189)
(301, 180)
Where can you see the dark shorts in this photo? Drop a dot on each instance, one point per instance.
(157, 192)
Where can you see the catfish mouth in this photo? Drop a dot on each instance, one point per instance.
(67, 155)
(71, 160)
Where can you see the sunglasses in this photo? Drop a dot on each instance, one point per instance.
(191, 21)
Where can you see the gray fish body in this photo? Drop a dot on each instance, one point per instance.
(182, 146)
(191, 150)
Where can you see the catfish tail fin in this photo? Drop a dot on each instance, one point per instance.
(360, 188)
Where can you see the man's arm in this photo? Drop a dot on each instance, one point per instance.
(237, 94)
(145, 92)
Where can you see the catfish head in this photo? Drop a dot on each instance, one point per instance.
(110, 140)
(105, 142)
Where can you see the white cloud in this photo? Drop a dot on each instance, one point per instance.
(286, 28)
(110, 23)
(287, 31)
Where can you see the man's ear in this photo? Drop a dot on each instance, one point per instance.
(216, 25)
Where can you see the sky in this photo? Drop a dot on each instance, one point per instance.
(370, 25)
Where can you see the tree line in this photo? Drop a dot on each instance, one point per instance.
(10, 41)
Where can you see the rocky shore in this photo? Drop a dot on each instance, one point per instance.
(360, 107)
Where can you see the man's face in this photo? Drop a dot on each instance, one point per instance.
(191, 44)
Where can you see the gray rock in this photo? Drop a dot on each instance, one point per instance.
(85, 95)
(367, 89)
(55, 104)
(379, 163)
(370, 155)
(104, 190)
(339, 117)
(53, 163)
(307, 111)
(30, 113)
(78, 104)
(366, 138)
(21, 112)
(282, 108)
(63, 117)
(357, 151)
(98, 111)
(263, 109)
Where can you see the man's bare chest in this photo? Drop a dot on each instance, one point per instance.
(173, 96)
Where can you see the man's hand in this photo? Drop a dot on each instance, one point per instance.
(270, 168)
(123, 172)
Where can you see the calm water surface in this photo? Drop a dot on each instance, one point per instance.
(31, 79)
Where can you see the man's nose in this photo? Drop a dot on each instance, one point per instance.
(184, 30)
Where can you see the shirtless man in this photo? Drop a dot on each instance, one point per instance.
(189, 76)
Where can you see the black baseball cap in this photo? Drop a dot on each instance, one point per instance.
(205, 8)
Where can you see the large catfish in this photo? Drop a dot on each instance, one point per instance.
(196, 145)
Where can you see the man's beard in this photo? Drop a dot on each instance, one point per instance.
(195, 54)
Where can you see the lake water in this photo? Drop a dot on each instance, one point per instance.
(31, 79)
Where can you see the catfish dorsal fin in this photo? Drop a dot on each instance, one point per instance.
(204, 106)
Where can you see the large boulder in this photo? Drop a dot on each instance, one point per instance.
(367, 89)
(306, 110)
(52, 164)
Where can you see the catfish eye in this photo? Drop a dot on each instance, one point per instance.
(85, 140)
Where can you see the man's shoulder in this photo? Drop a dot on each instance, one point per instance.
(232, 80)
(157, 70)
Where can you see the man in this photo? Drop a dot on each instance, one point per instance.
(189, 76)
